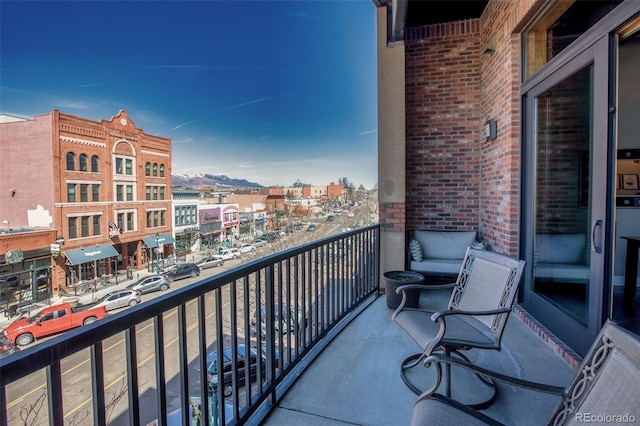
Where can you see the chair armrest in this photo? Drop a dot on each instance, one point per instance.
(437, 315)
(403, 288)
(423, 287)
(521, 383)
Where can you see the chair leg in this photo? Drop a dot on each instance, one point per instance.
(415, 359)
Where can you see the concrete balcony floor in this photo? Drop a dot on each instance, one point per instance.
(356, 379)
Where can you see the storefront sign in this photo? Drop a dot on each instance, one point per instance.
(14, 256)
(55, 250)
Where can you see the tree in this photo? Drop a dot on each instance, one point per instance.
(299, 184)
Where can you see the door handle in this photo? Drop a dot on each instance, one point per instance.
(594, 246)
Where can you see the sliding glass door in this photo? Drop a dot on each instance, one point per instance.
(567, 162)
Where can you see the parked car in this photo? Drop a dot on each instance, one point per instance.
(184, 270)
(151, 283)
(210, 262)
(246, 248)
(272, 236)
(227, 356)
(330, 218)
(311, 228)
(119, 299)
(260, 241)
(50, 320)
(230, 253)
(284, 321)
(6, 347)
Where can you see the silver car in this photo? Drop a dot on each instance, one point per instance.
(210, 262)
(151, 283)
(119, 299)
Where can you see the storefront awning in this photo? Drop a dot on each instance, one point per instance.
(162, 239)
(90, 254)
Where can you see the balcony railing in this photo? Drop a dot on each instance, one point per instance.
(149, 364)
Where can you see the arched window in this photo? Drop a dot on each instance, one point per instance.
(155, 169)
(83, 163)
(147, 169)
(71, 161)
(94, 164)
(161, 170)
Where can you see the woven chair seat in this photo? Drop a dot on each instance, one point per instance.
(460, 331)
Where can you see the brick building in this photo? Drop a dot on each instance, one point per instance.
(105, 187)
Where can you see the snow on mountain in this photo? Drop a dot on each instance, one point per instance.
(205, 180)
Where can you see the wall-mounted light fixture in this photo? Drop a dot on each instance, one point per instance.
(491, 129)
(491, 46)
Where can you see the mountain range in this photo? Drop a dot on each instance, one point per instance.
(205, 180)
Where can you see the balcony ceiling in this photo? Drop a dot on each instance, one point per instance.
(415, 13)
(426, 12)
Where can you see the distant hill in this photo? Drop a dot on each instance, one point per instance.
(203, 180)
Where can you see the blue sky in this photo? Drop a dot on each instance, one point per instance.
(268, 91)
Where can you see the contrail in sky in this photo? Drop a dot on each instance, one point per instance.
(255, 101)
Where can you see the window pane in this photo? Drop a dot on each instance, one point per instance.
(155, 192)
(119, 193)
(119, 166)
(129, 166)
(162, 192)
(155, 169)
(148, 219)
(95, 189)
(73, 230)
(130, 225)
(121, 221)
(147, 169)
(71, 160)
(94, 164)
(148, 192)
(161, 170)
(71, 192)
(96, 225)
(84, 192)
(83, 163)
(129, 193)
(85, 226)
(163, 221)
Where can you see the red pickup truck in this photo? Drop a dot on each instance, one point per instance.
(51, 320)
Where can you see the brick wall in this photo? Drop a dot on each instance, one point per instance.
(456, 179)
(442, 126)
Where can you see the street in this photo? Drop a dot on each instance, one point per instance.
(25, 397)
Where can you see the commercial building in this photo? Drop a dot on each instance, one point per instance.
(103, 186)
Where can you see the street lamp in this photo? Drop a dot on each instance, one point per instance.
(157, 254)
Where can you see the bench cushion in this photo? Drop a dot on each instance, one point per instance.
(437, 267)
(444, 244)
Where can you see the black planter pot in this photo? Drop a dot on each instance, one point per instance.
(394, 279)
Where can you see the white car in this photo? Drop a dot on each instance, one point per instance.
(230, 253)
(246, 248)
(119, 299)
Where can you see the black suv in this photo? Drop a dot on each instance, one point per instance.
(184, 270)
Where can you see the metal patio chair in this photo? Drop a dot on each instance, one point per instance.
(475, 317)
(604, 389)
